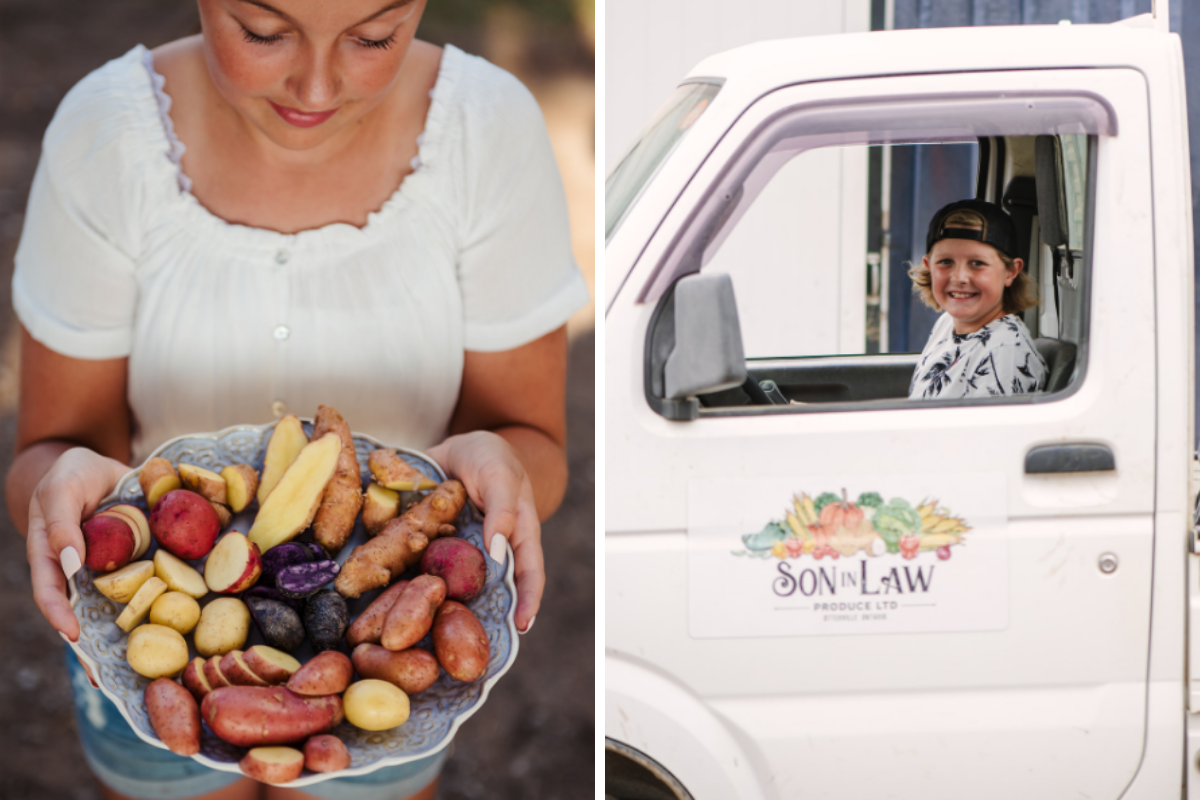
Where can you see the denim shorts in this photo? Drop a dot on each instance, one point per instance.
(130, 766)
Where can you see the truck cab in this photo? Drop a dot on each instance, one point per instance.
(818, 587)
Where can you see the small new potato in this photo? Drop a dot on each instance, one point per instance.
(273, 764)
(375, 705)
(156, 651)
(175, 610)
(224, 625)
(326, 753)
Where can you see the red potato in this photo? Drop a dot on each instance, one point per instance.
(460, 642)
(273, 666)
(368, 626)
(194, 679)
(273, 764)
(137, 520)
(459, 563)
(185, 524)
(234, 564)
(212, 672)
(325, 753)
(328, 672)
(109, 541)
(234, 668)
(254, 716)
(413, 670)
(174, 715)
(411, 616)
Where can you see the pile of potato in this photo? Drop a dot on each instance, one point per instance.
(262, 697)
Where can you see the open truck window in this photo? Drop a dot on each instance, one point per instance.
(794, 223)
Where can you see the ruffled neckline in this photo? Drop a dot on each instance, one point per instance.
(428, 141)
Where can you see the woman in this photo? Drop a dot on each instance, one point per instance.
(304, 204)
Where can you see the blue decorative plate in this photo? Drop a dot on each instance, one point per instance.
(436, 713)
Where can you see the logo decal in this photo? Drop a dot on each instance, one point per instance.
(846, 554)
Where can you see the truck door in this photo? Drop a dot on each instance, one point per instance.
(870, 594)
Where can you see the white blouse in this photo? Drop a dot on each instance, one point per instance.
(998, 359)
(225, 324)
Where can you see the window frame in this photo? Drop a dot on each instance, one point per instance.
(832, 123)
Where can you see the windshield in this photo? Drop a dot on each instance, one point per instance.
(675, 118)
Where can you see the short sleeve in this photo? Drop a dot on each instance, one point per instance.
(74, 287)
(517, 275)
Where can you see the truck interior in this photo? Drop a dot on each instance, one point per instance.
(1043, 181)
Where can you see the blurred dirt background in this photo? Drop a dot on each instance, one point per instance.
(534, 738)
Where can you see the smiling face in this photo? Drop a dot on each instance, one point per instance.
(304, 72)
(968, 279)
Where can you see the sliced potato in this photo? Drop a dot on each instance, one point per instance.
(293, 503)
(139, 607)
(179, 575)
(158, 476)
(120, 586)
(203, 482)
(241, 482)
(286, 442)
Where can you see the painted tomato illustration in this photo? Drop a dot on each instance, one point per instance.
(910, 545)
(794, 547)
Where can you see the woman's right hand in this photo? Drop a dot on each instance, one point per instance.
(70, 491)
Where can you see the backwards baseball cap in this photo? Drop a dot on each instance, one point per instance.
(998, 228)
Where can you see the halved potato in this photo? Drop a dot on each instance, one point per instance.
(120, 586)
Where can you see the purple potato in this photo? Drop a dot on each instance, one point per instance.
(326, 617)
(280, 625)
(267, 593)
(282, 556)
(301, 580)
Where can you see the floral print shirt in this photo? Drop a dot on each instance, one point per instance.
(997, 359)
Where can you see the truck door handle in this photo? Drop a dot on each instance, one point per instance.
(1069, 458)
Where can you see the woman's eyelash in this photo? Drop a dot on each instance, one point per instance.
(254, 38)
(379, 44)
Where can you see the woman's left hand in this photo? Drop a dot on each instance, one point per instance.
(498, 484)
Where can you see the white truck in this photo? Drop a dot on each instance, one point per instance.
(816, 587)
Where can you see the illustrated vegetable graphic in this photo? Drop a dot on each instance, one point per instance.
(841, 514)
(763, 540)
(832, 526)
(870, 500)
(824, 500)
(898, 518)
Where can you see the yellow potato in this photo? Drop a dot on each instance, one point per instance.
(224, 625)
(175, 610)
(156, 651)
(122, 585)
(139, 606)
(375, 705)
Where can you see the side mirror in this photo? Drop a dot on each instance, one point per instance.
(708, 355)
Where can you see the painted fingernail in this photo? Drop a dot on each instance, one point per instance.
(66, 638)
(69, 558)
(529, 627)
(498, 548)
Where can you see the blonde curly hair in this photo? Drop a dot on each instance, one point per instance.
(1019, 296)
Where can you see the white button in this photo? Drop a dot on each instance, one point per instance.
(278, 408)
(281, 332)
(281, 257)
